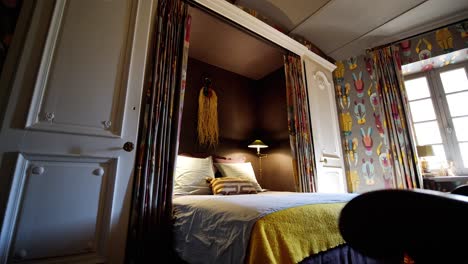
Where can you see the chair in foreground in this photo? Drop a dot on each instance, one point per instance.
(461, 190)
(428, 226)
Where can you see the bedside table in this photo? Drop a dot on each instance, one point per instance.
(444, 183)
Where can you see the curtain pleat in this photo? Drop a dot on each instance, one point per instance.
(392, 94)
(151, 213)
(300, 132)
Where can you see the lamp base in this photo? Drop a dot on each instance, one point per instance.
(425, 166)
(260, 156)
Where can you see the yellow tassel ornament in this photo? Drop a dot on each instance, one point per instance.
(207, 127)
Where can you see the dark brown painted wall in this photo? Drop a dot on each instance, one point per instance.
(272, 122)
(247, 109)
(236, 111)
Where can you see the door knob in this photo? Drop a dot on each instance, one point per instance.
(21, 254)
(128, 146)
(37, 170)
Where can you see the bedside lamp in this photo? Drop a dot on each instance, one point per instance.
(425, 151)
(258, 144)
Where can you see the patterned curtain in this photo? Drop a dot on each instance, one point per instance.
(392, 94)
(150, 223)
(299, 125)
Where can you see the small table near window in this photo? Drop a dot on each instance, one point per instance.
(444, 183)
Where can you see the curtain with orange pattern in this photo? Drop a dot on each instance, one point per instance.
(149, 234)
(300, 132)
(392, 96)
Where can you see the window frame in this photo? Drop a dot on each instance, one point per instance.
(442, 112)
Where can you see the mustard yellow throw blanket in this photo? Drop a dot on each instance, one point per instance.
(290, 235)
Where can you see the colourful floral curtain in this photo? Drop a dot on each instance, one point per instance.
(150, 223)
(300, 134)
(392, 95)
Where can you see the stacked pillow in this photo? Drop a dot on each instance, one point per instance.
(239, 170)
(232, 185)
(197, 176)
(191, 175)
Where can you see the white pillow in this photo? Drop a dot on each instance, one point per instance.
(239, 170)
(191, 175)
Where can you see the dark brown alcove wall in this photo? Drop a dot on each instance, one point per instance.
(272, 125)
(247, 109)
(236, 105)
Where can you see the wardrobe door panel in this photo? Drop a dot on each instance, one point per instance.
(325, 128)
(72, 119)
(84, 69)
(63, 207)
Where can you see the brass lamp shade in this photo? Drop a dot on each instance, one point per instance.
(425, 151)
(257, 144)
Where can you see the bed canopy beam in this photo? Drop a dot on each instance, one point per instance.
(261, 29)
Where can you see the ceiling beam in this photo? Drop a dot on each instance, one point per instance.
(377, 27)
(309, 16)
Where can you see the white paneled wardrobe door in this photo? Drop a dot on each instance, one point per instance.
(325, 128)
(70, 196)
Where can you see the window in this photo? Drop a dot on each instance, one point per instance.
(438, 101)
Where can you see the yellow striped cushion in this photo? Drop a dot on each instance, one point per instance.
(232, 185)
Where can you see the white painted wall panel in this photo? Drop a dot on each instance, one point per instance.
(331, 180)
(84, 69)
(60, 213)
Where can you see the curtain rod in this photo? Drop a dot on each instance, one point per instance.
(415, 35)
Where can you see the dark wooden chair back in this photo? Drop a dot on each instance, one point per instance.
(428, 226)
(461, 190)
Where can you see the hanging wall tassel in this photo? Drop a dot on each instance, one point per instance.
(207, 117)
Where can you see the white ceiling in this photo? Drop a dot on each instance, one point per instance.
(345, 28)
(220, 44)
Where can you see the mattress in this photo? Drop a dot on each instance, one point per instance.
(218, 228)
